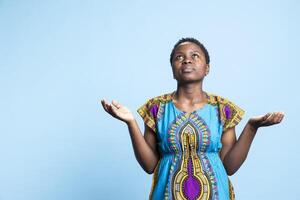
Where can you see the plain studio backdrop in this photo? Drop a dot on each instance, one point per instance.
(58, 59)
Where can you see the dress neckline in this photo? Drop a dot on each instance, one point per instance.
(194, 111)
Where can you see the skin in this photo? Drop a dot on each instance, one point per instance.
(189, 69)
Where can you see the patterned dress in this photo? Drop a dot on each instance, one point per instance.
(189, 144)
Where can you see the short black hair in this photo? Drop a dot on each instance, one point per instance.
(193, 40)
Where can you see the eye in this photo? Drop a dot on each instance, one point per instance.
(195, 55)
(179, 57)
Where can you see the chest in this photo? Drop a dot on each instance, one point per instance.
(175, 128)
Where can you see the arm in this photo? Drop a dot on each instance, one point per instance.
(234, 152)
(144, 146)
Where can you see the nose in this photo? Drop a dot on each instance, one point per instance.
(187, 60)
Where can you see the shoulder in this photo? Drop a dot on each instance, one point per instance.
(230, 113)
(163, 98)
(215, 98)
(149, 110)
(152, 104)
(220, 100)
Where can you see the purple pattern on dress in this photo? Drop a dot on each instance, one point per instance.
(191, 186)
(154, 110)
(227, 111)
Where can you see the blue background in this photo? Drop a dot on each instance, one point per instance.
(59, 58)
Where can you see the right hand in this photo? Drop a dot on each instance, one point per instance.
(117, 111)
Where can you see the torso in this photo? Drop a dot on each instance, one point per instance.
(189, 141)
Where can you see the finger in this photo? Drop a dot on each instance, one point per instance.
(114, 110)
(269, 116)
(104, 105)
(116, 104)
(277, 117)
(264, 117)
(271, 119)
(108, 107)
(280, 119)
(281, 115)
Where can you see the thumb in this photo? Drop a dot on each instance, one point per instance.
(267, 116)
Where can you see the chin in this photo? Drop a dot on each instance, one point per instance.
(187, 81)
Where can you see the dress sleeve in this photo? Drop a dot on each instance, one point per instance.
(230, 113)
(148, 112)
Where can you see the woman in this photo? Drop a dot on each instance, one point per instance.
(189, 140)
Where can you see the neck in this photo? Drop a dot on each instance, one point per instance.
(191, 92)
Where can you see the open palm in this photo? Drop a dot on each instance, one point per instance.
(268, 119)
(117, 110)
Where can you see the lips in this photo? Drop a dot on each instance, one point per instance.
(187, 69)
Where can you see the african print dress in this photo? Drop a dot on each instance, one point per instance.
(189, 143)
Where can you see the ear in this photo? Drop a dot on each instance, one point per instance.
(207, 69)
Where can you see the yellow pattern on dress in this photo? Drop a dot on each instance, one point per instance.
(189, 145)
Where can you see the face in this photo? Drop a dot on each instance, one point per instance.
(189, 64)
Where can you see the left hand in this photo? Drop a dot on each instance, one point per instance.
(268, 119)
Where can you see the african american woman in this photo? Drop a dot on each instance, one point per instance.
(189, 141)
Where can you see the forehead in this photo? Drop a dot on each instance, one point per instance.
(188, 46)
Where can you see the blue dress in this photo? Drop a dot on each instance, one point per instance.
(189, 144)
